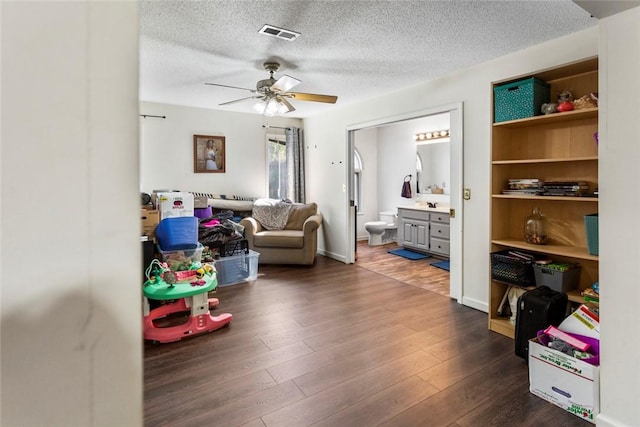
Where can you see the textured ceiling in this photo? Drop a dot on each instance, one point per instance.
(352, 49)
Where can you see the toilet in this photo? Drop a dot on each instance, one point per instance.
(383, 231)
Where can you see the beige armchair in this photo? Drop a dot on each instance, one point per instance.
(297, 243)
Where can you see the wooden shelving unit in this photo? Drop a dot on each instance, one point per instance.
(558, 146)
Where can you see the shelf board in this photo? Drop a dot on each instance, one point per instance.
(551, 198)
(502, 326)
(574, 296)
(586, 113)
(550, 160)
(561, 250)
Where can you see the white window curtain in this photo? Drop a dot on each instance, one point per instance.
(295, 165)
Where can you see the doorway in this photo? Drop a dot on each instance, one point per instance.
(455, 185)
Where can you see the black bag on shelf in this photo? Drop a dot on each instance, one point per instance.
(537, 309)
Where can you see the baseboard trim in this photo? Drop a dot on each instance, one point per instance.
(474, 303)
(606, 421)
(332, 255)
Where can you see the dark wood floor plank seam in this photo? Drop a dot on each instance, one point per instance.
(349, 392)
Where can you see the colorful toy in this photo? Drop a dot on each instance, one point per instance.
(184, 291)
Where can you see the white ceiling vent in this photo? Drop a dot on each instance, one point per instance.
(280, 33)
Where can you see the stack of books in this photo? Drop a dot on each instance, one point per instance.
(525, 186)
(565, 188)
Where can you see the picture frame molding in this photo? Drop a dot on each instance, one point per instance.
(200, 160)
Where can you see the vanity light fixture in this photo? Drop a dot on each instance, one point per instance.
(424, 136)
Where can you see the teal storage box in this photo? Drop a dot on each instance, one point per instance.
(520, 99)
(591, 226)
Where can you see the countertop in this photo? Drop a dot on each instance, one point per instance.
(425, 208)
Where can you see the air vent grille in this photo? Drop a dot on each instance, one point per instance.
(280, 33)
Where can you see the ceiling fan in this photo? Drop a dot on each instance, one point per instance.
(273, 95)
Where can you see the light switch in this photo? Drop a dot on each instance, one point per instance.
(466, 193)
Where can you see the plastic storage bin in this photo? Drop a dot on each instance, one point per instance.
(237, 268)
(556, 279)
(234, 247)
(591, 226)
(177, 233)
(512, 269)
(181, 259)
(520, 99)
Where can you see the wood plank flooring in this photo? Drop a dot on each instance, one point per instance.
(341, 345)
(416, 273)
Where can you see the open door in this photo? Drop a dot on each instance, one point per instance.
(456, 184)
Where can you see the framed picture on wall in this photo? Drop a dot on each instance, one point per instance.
(209, 155)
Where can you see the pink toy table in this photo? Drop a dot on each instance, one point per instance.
(188, 297)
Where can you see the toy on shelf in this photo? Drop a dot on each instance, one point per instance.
(183, 291)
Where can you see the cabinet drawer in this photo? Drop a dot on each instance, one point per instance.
(440, 231)
(440, 217)
(413, 214)
(439, 246)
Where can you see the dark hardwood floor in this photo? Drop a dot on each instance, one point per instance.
(342, 345)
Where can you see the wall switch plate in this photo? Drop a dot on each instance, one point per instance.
(466, 193)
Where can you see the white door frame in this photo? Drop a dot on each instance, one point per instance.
(456, 169)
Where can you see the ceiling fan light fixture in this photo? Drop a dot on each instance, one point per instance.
(270, 107)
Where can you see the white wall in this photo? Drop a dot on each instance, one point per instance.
(167, 149)
(473, 88)
(366, 142)
(619, 229)
(71, 339)
(396, 160)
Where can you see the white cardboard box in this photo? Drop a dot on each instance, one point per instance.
(174, 204)
(565, 381)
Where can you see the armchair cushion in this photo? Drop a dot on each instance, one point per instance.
(299, 214)
(281, 239)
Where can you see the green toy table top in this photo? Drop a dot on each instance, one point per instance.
(162, 291)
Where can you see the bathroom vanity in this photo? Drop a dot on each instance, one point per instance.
(424, 229)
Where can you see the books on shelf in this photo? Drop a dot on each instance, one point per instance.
(537, 187)
(526, 186)
(565, 188)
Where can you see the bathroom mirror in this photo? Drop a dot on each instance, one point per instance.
(432, 166)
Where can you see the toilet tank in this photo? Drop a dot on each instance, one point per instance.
(389, 217)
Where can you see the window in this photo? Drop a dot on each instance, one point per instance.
(277, 167)
(357, 179)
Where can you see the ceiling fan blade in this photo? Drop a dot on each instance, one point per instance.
(287, 104)
(232, 87)
(240, 100)
(285, 83)
(313, 97)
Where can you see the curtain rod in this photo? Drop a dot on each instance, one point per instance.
(149, 115)
(274, 127)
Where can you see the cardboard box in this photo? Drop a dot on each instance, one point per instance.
(200, 202)
(565, 381)
(150, 220)
(174, 204)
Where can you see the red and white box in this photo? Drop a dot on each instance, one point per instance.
(174, 204)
